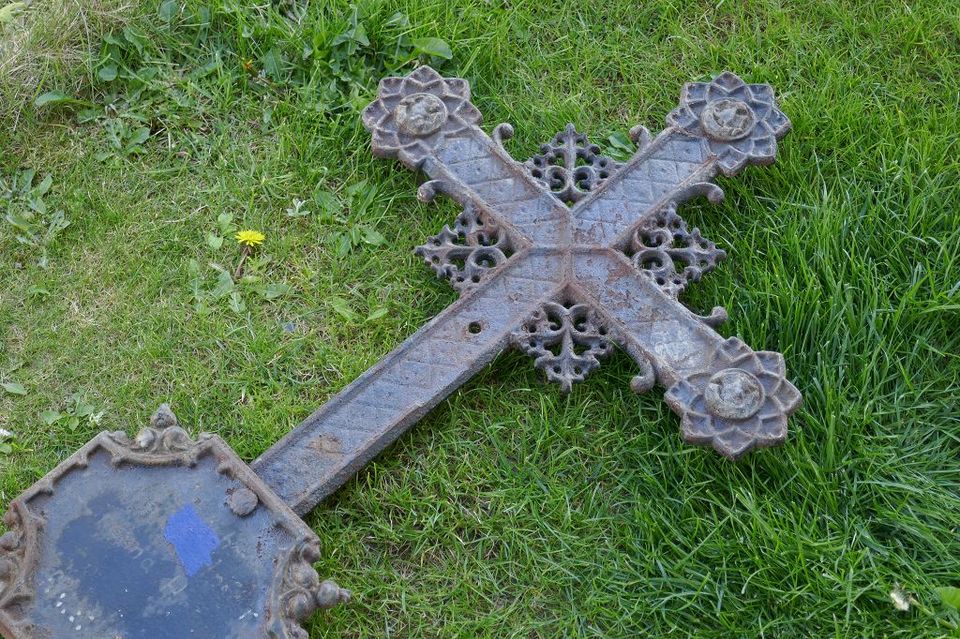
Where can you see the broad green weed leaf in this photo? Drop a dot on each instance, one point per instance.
(54, 98)
(273, 291)
(377, 313)
(139, 136)
(273, 64)
(224, 285)
(11, 11)
(14, 388)
(225, 222)
(950, 596)
(623, 148)
(108, 73)
(342, 308)
(373, 237)
(433, 46)
(169, 10)
(20, 221)
(327, 202)
(44, 186)
(236, 303)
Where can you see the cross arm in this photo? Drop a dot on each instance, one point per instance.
(719, 127)
(428, 123)
(726, 394)
(348, 431)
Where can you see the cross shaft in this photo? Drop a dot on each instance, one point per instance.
(563, 257)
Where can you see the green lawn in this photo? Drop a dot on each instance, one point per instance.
(512, 510)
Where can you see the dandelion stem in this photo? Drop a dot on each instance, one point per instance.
(243, 258)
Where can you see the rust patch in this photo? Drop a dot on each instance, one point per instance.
(327, 444)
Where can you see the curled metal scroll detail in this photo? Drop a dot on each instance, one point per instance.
(566, 340)
(570, 166)
(298, 592)
(670, 255)
(467, 252)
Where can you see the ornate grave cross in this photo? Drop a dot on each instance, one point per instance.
(566, 257)
(563, 283)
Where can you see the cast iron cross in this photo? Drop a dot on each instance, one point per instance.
(566, 257)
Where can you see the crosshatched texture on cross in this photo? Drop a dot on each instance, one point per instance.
(572, 253)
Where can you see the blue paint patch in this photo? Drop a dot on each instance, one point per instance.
(192, 538)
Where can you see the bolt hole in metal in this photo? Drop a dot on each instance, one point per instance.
(474, 328)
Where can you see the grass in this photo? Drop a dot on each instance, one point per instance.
(512, 510)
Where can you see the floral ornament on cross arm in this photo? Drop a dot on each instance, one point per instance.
(742, 404)
(740, 122)
(412, 114)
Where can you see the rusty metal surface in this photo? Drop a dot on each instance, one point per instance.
(153, 538)
(566, 257)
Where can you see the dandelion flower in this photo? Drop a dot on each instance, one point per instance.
(250, 239)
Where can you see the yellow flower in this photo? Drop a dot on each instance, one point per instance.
(250, 238)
